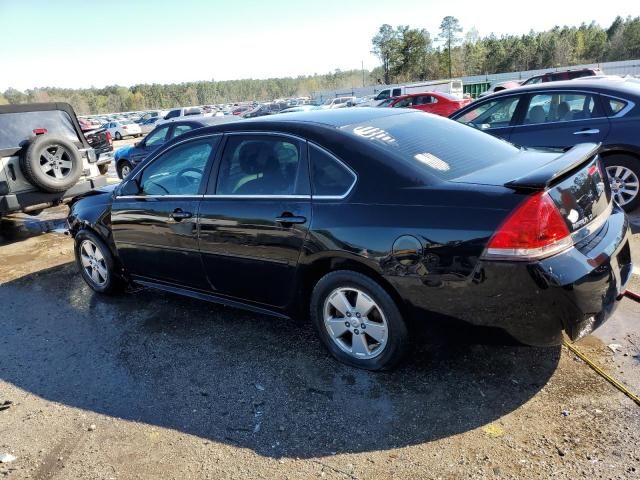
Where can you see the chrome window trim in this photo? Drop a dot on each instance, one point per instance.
(551, 91)
(129, 197)
(347, 167)
(271, 134)
(258, 197)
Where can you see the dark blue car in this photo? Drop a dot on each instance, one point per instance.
(563, 114)
(127, 157)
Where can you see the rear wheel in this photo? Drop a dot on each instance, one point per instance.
(358, 321)
(117, 136)
(624, 177)
(96, 263)
(103, 169)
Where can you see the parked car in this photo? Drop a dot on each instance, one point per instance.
(563, 114)
(149, 124)
(123, 128)
(45, 158)
(101, 141)
(259, 111)
(564, 75)
(498, 86)
(127, 157)
(431, 102)
(339, 102)
(178, 113)
(363, 219)
(300, 108)
(241, 109)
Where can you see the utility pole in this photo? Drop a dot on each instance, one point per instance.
(449, 39)
(362, 65)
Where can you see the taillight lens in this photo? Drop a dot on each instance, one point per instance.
(39, 131)
(534, 230)
(109, 138)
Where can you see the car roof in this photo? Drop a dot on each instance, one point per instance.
(333, 118)
(605, 85)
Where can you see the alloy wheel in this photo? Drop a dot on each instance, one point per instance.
(93, 263)
(624, 184)
(55, 162)
(355, 323)
(125, 171)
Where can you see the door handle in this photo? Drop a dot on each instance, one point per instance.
(589, 131)
(290, 219)
(178, 215)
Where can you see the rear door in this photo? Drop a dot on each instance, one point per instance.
(155, 224)
(255, 217)
(561, 119)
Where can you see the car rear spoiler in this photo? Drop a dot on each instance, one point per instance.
(542, 177)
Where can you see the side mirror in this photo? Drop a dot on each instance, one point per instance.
(130, 188)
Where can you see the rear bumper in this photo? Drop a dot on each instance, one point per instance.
(106, 157)
(38, 199)
(573, 292)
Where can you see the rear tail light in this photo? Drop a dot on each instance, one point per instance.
(39, 131)
(109, 138)
(124, 127)
(533, 230)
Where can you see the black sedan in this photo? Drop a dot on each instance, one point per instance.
(129, 156)
(563, 114)
(364, 219)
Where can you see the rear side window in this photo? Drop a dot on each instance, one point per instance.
(616, 105)
(17, 128)
(396, 92)
(329, 177)
(433, 145)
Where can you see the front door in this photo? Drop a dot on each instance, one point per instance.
(254, 218)
(154, 140)
(560, 120)
(155, 225)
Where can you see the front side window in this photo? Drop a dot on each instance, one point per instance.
(405, 102)
(178, 171)
(172, 114)
(560, 107)
(259, 165)
(383, 95)
(492, 114)
(329, 177)
(396, 92)
(157, 138)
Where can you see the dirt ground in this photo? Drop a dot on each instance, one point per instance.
(147, 385)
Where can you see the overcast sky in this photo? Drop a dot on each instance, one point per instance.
(83, 43)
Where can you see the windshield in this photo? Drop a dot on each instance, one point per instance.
(425, 142)
(17, 128)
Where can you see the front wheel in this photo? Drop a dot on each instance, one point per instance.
(358, 321)
(96, 263)
(624, 177)
(124, 169)
(118, 136)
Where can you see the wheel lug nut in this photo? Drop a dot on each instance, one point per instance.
(363, 326)
(347, 324)
(358, 314)
(356, 331)
(348, 314)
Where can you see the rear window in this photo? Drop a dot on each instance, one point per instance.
(438, 146)
(17, 128)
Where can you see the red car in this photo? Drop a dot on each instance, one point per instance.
(432, 102)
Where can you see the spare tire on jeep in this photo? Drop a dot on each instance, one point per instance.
(52, 163)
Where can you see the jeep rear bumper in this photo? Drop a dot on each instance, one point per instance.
(37, 200)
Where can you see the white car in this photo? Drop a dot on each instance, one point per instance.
(339, 102)
(149, 124)
(121, 129)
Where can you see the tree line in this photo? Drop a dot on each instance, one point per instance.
(410, 54)
(406, 54)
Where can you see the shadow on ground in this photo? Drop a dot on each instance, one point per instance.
(251, 381)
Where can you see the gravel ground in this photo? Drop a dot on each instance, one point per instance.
(147, 385)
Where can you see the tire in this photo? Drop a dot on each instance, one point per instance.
(97, 266)
(382, 351)
(117, 136)
(624, 176)
(52, 163)
(122, 169)
(103, 169)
